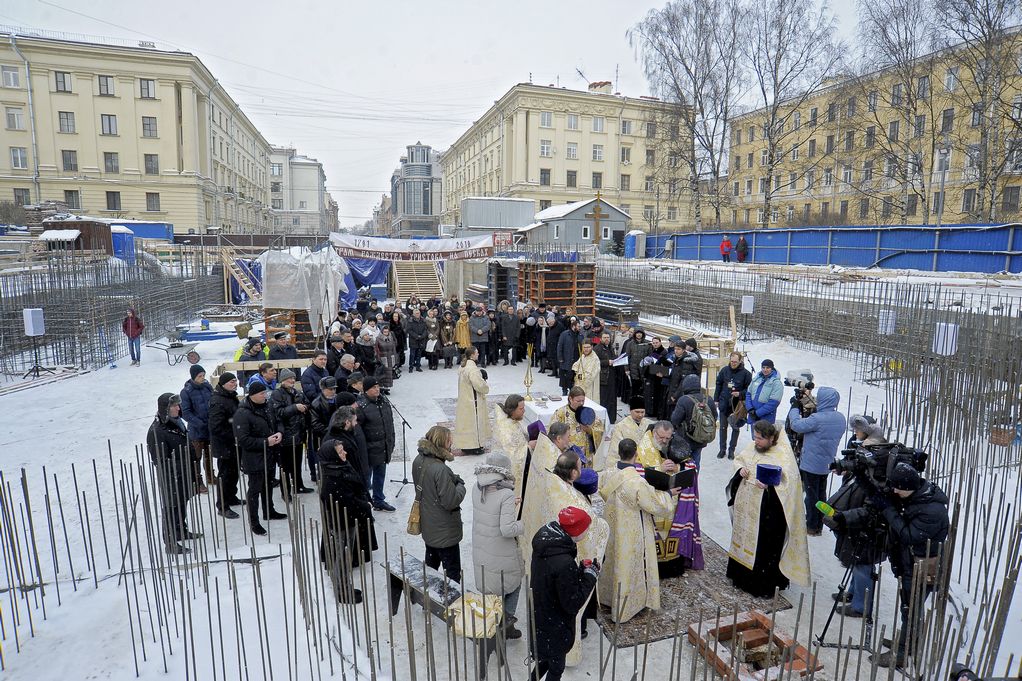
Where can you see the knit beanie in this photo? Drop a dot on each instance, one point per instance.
(226, 378)
(285, 374)
(574, 521)
(195, 370)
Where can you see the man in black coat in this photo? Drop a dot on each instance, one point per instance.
(334, 353)
(608, 387)
(167, 441)
(282, 348)
(290, 409)
(313, 374)
(569, 344)
(320, 412)
(416, 331)
(377, 421)
(733, 382)
(222, 406)
(255, 430)
(560, 588)
(344, 426)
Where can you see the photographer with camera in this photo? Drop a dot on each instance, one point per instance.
(764, 394)
(822, 432)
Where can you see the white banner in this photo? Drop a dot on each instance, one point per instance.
(377, 248)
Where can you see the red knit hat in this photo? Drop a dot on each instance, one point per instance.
(574, 520)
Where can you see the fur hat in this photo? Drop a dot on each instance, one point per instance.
(328, 382)
(637, 402)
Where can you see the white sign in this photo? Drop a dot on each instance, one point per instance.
(748, 304)
(423, 250)
(503, 239)
(888, 319)
(945, 339)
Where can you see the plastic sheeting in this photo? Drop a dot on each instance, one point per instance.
(298, 279)
(254, 269)
(362, 272)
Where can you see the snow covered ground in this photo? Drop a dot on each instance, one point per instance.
(86, 417)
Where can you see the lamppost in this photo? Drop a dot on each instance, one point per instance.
(944, 150)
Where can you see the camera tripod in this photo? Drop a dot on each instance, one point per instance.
(879, 538)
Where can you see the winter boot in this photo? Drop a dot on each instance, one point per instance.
(721, 454)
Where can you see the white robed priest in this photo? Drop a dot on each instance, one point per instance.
(631, 427)
(587, 371)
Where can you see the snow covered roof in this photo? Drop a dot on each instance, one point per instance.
(497, 198)
(60, 235)
(120, 229)
(564, 209)
(528, 228)
(72, 217)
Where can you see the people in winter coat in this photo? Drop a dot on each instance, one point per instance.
(252, 351)
(415, 329)
(471, 419)
(432, 340)
(282, 347)
(222, 405)
(386, 355)
(742, 249)
(508, 327)
(608, 385)
(377, 420)
(132, 327)
(320, 412)
(440, 492)
(479, 329)
(560, 588)
(568, 349)
(334, 353)
(823, 433)
(448, 346)
(725, 249)
(344, 426)
(365, 353)
(692, 396)
(255, 429)
(637, 351)
(856, 545)
(462, 334)
(764, 394)
(400, 340)
(313, 374)
(349, 535)
(167, 442)
(733, 381)
(195, 410)
(495, 527)
(267, 376)
(290, 410)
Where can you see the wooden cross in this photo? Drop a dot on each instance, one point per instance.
(596, 215)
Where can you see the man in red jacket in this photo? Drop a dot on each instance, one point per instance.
(132, 327)
(725, 248)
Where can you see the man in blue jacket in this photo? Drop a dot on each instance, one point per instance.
(195, 410)
(823, 432)
(764, 394)
(313, 374)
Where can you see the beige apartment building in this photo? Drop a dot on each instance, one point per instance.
(556, 145)
(298, 196)
(128, 131)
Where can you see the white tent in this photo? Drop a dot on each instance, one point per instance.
(298, 279)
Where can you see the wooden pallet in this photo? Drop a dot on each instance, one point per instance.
(415, 278)
(295, 323)
(568, 285)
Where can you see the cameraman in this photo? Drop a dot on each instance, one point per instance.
(918, 526)
(822, 433)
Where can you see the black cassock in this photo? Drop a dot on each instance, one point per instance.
(765, 573)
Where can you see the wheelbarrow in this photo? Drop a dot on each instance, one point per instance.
(178, 352)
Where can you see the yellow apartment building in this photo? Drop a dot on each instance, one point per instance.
(128, 131)
(556, 145)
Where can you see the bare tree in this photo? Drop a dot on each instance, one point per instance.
(11, 213)
(790, 50)
(689, 51)
(983, 44)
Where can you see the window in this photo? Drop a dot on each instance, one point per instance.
(825, 209)
(557, 228)
(276, 187)
(938, 202)
(113, 200)
(544, 148)
(673, 159)
(792, 181)
(11, 76)
(571, 150)
(748, 186)
(675, 131)
(919, 129)
(846, 174)
(738, 162)
(597, 152)
(296, 222)
(586, 232)
(572, 121)
(146, 88)
(1009, 200)
(923, 87)
(752, 134)
(66, 120)
(111, 162)
(943, 162)
(15, 118)
(650, 157)
(849, 140)
(763, 157)
(626, 154)
(19, 158)
(672, 212)
(735, 189)
(648, 212)
(625, 208)
(890, 167)
(896, 95)
(969, 201)
(546, 119)
(108, 123)
(650, 129)
(544, 177)
(764, 186)
(977, 116)
(106, 86)
(911, 204)
(794, 152)
(810, 179)
(69, 160)
(22, 197)
(812, 117)
(626, 183)
(571, 179)
(831, 112)
(871, 101)
(830, 144)
(871, 136)
(915, 165)
(843, 209)
(892, 130)
(850, 107)
(828, 177)
(152, 201)
(951, 79)
(597, 181)
(277, 204)
(885, 208)
(149, 126)
(672, 186)
(276, 169)
(796, 120)
(947, 120)
(812, 149)
(152, 164)
(73, 199)
(789, 214)
(650, 183)
(626, 126)
(863, 208)
(598, 122)
(62, 81)
(738, 136)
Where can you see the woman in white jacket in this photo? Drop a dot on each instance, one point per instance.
(495, 528)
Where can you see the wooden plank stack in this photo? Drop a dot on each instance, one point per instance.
(568, 285)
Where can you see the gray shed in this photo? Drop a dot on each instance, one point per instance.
(574, 223)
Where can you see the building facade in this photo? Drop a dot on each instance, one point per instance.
(298, 198)
(416, 193)
(128, 131)
(918, 143)
(556, 146)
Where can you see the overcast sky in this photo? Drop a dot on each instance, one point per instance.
(352, 84)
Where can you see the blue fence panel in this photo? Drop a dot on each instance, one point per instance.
(985, 240)
(965, 262)
(770, 247)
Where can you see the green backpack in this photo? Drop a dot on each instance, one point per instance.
(702, 427)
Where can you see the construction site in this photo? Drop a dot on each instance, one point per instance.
(935, 359)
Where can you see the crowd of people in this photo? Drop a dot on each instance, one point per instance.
(579, 511)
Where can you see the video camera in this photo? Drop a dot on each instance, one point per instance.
(962, 673)
(872, 464)
(801, 380)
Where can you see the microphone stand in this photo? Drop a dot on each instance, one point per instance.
(404, 449)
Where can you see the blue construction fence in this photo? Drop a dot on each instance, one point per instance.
(950, 248)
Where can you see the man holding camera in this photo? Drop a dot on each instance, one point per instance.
(822, 432)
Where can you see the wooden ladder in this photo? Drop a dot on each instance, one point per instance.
(239, 274)
(416, 278)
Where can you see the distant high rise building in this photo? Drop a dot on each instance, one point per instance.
(416, 193)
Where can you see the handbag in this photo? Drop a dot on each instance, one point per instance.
(738, 416)
(431, 345)
(659, 370)
(414, 526)
(450, 352)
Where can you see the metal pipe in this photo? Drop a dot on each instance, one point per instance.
(31, 118)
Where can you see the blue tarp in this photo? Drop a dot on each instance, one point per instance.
(364, 272)
(255, 272)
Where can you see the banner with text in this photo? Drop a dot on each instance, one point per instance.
(352, 246)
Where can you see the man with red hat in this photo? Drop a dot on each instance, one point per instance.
(560, 588)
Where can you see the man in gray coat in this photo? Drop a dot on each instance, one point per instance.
(479, 330)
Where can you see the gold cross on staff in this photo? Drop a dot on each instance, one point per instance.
(596, 215)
